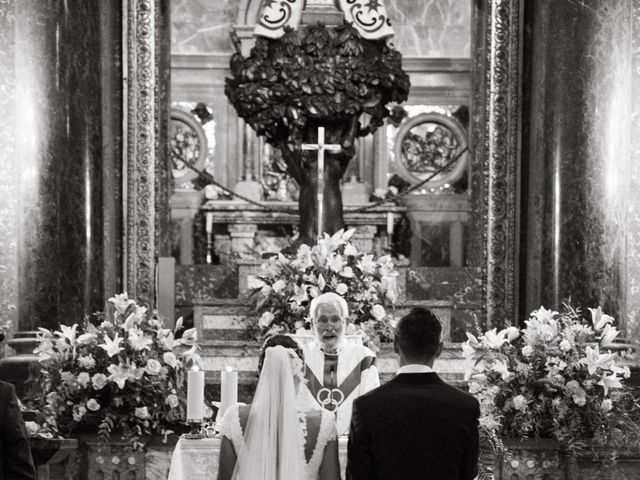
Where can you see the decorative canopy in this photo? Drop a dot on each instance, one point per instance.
(369, 17)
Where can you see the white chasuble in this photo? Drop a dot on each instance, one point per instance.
(334, 381)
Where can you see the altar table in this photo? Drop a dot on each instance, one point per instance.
(198, 459)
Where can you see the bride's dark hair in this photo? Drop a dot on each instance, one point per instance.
(285, 340)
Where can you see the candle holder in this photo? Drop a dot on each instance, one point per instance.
(196, 432)
(209, 248)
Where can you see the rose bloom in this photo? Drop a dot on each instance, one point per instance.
(142, 412)
(79, 413)
(170, 359)
(93, 405)
(84, 378)
(520, 403)
(172, 401)
(99, 381)
(378, 312)
(86, 361)
(153, 366)
(606, 405)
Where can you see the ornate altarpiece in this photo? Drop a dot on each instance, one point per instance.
(495, 120)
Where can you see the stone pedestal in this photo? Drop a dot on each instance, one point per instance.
(54, 458)
(184, 207)
(242, 238)
(22, 367)
(363, 237)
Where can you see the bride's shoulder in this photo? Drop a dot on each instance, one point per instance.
(320, 416)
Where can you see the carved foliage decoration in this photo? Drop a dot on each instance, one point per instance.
(140, 154)
(496, 139)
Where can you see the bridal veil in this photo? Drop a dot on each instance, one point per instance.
(274, 443)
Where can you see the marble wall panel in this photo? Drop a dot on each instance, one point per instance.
(59, 152)
(579, 242)
(430, 28)
(202, 26)
(9, 171)
(632, 261)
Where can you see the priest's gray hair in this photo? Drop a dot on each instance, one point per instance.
(329, 298)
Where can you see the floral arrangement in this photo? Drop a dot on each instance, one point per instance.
(120, 374)
(286, 285)
(552, 379)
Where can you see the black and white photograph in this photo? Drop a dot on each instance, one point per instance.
(319, 239)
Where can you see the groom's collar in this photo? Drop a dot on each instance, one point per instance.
(415, 368)
(416, 378)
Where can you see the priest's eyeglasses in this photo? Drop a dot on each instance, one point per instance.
(324, 320)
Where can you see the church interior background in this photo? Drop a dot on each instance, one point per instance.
(104, 102)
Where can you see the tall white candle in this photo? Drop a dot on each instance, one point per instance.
(195, 395)
(389, 223)
(208, 227)
(228, 389)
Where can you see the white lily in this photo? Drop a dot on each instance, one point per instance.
(350, 250)
(608, 335)
(595, 359)
(121, 302)
(138, 340)
(68, 332)
(609, 381)
(599, 319)
(112, 347)
(468, 351)
(494, 339)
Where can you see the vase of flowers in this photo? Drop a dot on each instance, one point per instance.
(552, 380)
(286, 285)
(120, 374)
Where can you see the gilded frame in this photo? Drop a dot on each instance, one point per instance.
(495, 144)
(496, 152)
(141, 74)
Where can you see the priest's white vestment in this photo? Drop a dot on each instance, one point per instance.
(334, 381)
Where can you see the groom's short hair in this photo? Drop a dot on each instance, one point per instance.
(418, 334)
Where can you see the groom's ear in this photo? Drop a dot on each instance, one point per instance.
(440, 347)
(395, 345)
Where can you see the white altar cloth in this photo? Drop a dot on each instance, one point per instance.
(198, 459)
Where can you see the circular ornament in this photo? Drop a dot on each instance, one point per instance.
(426, 143)
(187, 146)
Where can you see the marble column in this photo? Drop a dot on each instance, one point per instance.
(52, 249)
(576, 154)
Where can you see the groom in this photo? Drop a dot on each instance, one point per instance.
(338, 371)
(415, 427)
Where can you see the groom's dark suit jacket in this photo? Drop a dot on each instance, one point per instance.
(415, 427)
(15, 455)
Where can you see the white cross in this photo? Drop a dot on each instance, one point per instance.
(321, 147)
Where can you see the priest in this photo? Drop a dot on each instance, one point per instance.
(338, 371)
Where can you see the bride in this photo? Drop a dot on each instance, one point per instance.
(277, 437)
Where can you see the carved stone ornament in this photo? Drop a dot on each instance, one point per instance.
(496, 105)
(140, 114)
(426, 143)
(187, 145)
(495, 130)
